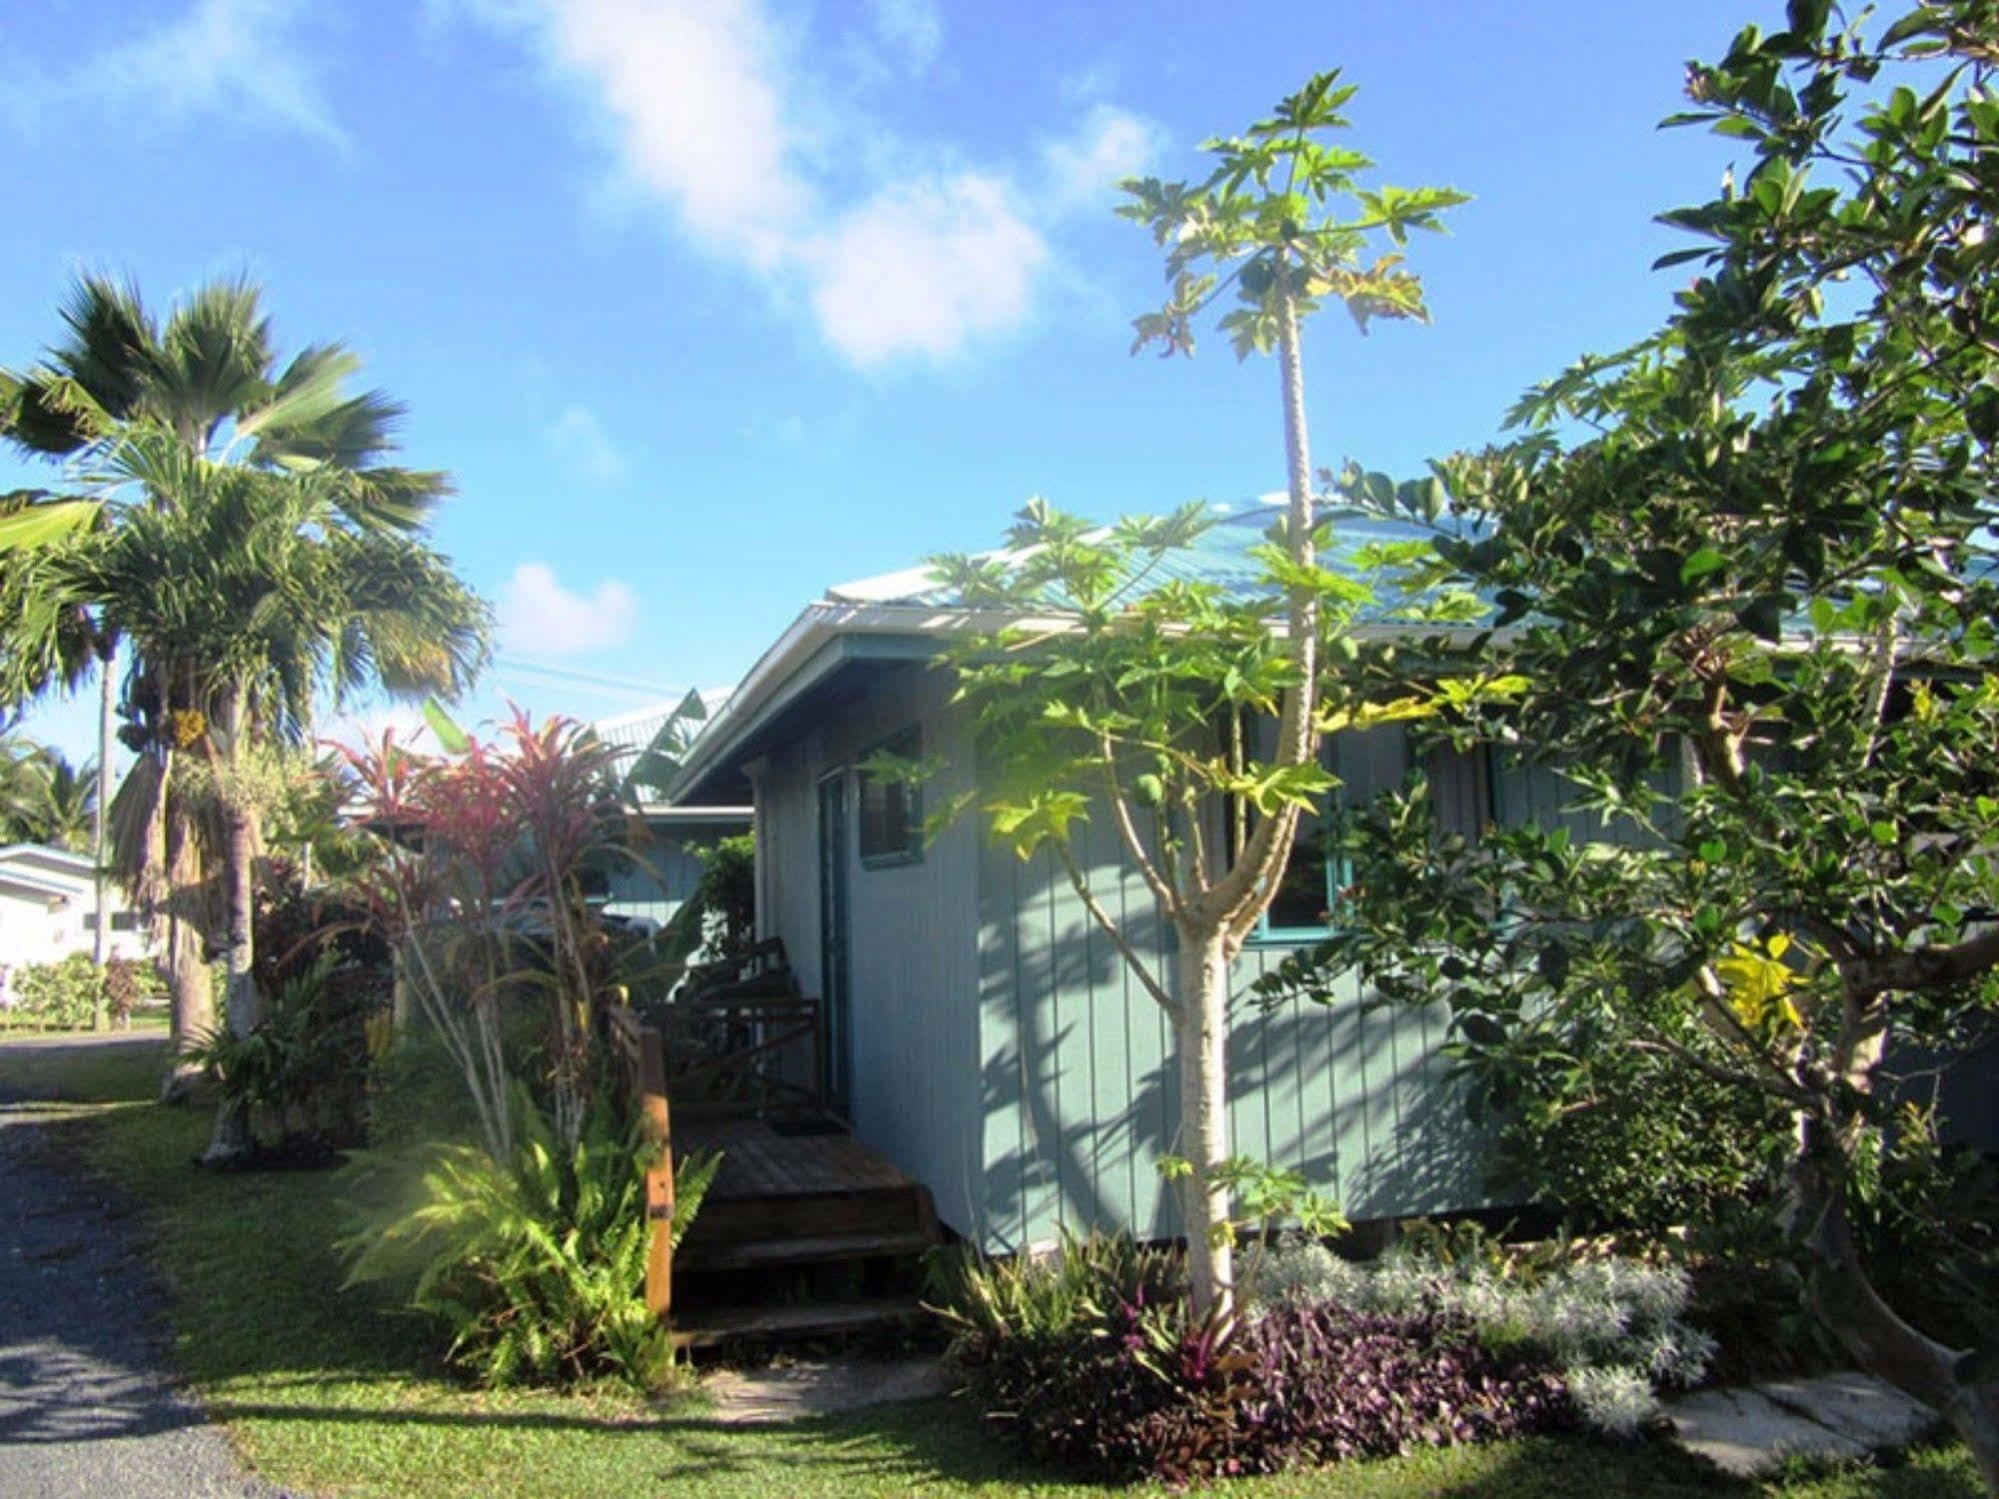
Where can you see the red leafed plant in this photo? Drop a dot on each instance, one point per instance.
(480, 890)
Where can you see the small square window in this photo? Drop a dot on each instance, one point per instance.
(891, 810)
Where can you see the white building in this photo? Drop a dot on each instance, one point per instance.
(48, 909)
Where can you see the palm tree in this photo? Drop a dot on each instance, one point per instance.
(23, 783)
(254, 551)
(68, 802)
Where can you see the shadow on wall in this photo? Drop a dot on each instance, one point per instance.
(1355, 1096)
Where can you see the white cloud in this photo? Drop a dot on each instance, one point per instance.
(1111, 145)
(911, 29)
(719, 114)
(691, 93)
(244, 59)
(580, 437)
(540, 616)
(925, 269)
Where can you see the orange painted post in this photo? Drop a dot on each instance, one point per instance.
(659, 1180)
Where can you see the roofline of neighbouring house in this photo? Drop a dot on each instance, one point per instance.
(78, 862)
(670, 813)
(52, 891)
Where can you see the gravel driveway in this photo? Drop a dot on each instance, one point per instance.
(86, 1407)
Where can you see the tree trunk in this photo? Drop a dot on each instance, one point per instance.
(188, 980)
(99, 853)
(1203, 1044)
(241, 1001)
(1870, 1330)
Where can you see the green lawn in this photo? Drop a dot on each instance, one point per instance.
(330, 1391)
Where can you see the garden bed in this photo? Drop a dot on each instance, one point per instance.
(353, 1399)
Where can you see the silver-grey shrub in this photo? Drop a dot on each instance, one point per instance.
(1615, 1327)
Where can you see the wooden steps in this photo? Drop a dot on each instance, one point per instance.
(803, 1233)
(822, 1249)
(710, 1326)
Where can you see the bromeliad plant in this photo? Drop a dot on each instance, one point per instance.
(1141, 701)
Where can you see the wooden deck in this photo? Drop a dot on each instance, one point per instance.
(808, 1157)
(800, 1192)
(795, 1192)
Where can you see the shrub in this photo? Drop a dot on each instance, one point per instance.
(537, 1266)
(305, 1065)
(1614, 1327)
(1090, 1357)
(1031, 1295)
(129, 983)
(1646, 1150)
(60, 995)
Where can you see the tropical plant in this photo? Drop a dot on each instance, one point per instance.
(44, 798)
(1092, 1356)
(479, 888)
(1616, 1329)
(1111, 707)
(304, 1066)
(719, 920)
(1752, 560)
(536, 1263)
(240, 529)
(62, 995)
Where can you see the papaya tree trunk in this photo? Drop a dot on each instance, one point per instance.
(1202, 1043)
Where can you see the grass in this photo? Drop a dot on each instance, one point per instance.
(335, 1392)
(14, 1023)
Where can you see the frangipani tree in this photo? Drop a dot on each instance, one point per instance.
(1764, 575)
(1141, 703)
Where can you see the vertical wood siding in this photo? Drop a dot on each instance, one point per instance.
(664, 881)
(1005, 1055)
(1079, 1102)
(912, 942)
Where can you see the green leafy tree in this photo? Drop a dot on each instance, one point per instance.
(1747, 572)
(1110, 704)
(236, 517)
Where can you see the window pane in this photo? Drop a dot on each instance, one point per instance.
(890, 812)
(1304, 896)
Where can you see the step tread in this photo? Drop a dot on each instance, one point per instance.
(804, 1249)
(704, 1326)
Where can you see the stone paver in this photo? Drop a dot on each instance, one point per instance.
(1748, 1430)
(798, 1390)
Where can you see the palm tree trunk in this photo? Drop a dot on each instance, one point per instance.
(178, 868)
(99, 854)
(241, 1001)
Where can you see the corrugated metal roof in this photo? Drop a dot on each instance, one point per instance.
(633, 733)
(1220, 556)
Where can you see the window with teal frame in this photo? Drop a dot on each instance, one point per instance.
(890, 811)
(1308, 897)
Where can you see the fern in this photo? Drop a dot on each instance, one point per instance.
(537, 1268)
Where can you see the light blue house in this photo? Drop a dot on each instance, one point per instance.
(652, 886)
(983, 1035)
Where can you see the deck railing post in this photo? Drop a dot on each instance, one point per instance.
(659, 1179)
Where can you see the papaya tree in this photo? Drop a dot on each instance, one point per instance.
(1747, 573)
(1189, 717)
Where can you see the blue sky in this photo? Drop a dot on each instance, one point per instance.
(708, 304)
